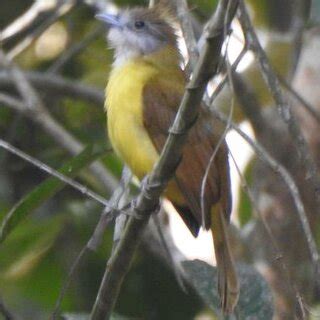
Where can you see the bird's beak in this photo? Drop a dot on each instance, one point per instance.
(111, 20)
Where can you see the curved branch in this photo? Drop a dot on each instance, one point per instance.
(57, 85)
(283, 107)
(282, 171)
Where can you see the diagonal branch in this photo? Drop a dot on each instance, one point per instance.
(279, 253)
(75, 50)
(283, 107)
(53, 10)
(264, 156)
(5, 312)
(147, 201)
(305, 104)
(52, 172)
(38, 11)
(95, 240)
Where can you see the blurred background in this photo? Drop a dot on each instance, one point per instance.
(61, 51)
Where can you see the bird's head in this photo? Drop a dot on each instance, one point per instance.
(138, 32)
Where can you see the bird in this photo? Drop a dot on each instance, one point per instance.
(143, 94)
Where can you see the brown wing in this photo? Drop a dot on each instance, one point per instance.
(160, 106)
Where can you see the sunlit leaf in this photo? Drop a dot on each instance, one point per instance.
(255, 301)
(46, 190)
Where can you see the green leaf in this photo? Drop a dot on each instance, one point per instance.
(255, 301)
(45, 190)
(29, 247)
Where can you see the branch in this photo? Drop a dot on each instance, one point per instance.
(95, 240)
(27, 20)
(42, 166)
(282, 171)
(57, 85)
(58, 9)
(279, 253)
(223, 82)
(283, 107)
(187, 31)
(249, 103)
(309, 107)
(147, 201)
(75, 50)
(5, 311)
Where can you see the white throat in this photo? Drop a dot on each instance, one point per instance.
(123, 55)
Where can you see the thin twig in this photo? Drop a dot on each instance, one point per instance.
(310, 108)
(183, 14)
(283, 107)
(43, 167)
(81, 256)
(75, 50)
(115, 202)
(282, 171)
(28, 19)
(95, 240)
(249, 103)
(223, 82)
(176, 267)
(5, 312)
(279, 254)
(147, 201)
(9, 136)
(61, 7)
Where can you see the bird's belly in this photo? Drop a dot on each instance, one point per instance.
(131, 142)
(133, 145)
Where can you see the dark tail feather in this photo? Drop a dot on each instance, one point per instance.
(228, 285)
(187, 216)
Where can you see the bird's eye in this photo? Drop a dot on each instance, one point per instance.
(139, 24)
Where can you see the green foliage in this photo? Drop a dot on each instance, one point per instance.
(45, 190)
(255, 301)
(31, 268)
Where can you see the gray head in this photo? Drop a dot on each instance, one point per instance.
(138, 32)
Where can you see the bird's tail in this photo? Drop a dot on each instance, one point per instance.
(228, 285)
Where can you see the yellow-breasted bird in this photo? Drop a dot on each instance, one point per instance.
(143, 94)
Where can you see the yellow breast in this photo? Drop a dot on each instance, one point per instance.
(124, 106)
(125, 119)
